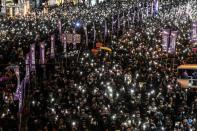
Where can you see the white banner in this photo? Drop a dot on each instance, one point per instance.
(27, 65)
(52, 51)
(165, 39)
(42, 53)
(69, 38)
(194, 30)
(172, 46)
(32, 57)
(64, 42)
(72, 53)
(77, 38)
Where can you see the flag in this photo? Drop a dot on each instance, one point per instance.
(42, 53)
(52, 51)
(32, 57)
(172, 44)
(165, 39)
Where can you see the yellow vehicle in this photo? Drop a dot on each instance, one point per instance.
(106, 49)
(101, 47)
(187, 76)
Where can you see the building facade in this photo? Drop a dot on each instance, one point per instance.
(22, 7)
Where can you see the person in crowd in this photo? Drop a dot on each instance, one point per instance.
(131, 88)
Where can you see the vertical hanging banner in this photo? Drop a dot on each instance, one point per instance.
(122, 18)
(147, 8)
(94, 41)
(128, 18)
(62, 38)
(60, 26)
(138, 15)
(27, 65)
(20, 94)
(65, 43)
(152, 7)
(32, 58)
(155, 7)
(194, 31)
(112, 24)
(172, 46)
(42, 53)
(74, 39)
(86, 33)
(143, 13)
(105, 30)
(123, 22)
(17, 73)
(124, 25)
(118, 20)
(37, 36)
(193, 39)
(165, 39)
(52, 51)
(134, 14)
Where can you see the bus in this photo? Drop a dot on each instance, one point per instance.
(187, 76)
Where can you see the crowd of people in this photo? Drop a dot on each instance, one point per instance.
(133, 87)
